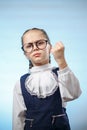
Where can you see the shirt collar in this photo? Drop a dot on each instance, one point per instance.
(41, 68)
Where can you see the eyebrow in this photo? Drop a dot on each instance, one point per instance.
(35, 41)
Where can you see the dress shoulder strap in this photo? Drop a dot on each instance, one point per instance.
(55, 70)
(23, 77)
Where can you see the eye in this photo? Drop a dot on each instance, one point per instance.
(29, 45)
(41, 43)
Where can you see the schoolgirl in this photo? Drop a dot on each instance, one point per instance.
(40, 96)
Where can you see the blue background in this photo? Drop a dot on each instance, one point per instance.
(64, 20)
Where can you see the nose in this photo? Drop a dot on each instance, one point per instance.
(35, 46)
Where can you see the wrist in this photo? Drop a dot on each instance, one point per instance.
(62, 63)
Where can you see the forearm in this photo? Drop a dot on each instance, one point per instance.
(18, 123)
(18, 109)
(69, 84)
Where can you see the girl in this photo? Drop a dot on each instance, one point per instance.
(40, 96)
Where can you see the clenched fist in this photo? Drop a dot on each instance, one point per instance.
(58, 53)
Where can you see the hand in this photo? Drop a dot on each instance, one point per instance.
(58, 53)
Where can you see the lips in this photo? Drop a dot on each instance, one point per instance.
(37, 54)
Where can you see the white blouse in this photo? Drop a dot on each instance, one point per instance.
(42, 82)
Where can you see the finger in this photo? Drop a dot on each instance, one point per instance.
(60, 44)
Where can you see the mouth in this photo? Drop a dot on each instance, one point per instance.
(37, 55)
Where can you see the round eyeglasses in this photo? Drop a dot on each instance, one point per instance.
(29, 47)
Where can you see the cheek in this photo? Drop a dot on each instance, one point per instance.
(47, 53)
(27, 55)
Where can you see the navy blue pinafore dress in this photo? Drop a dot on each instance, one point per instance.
(44, 113)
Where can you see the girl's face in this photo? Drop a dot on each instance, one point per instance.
(36, 56)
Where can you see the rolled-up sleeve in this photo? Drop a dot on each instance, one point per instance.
(69, 85)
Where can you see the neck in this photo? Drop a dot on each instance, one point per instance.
(40, 64)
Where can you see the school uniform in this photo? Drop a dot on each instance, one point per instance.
(42, 102)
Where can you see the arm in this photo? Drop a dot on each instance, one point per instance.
(68, 83)
(18, 108)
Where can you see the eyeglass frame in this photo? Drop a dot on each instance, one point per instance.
(35, 43)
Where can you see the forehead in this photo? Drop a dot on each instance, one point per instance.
(33, 35)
